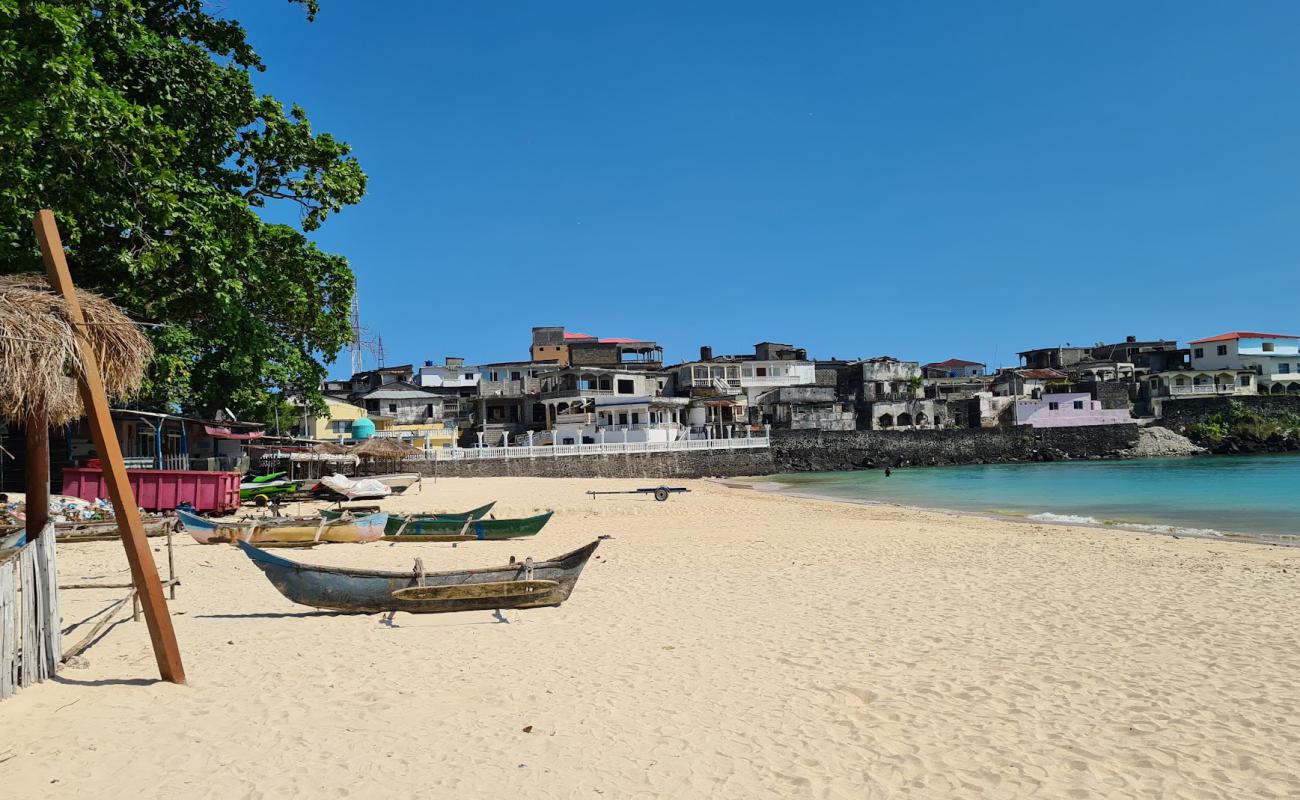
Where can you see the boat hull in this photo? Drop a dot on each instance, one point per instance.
(398, 481)
(363, 591)
(395, 521)
(453, 530)
(285, 530)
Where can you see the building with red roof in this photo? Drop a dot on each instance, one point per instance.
(1270, 360)
(954, 368)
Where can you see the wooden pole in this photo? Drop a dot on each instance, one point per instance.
(144, 573)
(36, 476)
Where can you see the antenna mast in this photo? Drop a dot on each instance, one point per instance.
(358, 364)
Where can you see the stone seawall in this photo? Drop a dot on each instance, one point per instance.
(1178, 414)
(804, 451)
(676, 464)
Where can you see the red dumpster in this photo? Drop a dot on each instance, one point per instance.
(162, 489)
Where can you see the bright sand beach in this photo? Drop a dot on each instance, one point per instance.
(726, 643)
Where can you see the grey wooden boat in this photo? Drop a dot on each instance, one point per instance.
(524, 584)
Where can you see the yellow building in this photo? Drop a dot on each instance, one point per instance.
(437, 434)
(336, 424)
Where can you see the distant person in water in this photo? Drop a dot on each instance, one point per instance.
(888, 472)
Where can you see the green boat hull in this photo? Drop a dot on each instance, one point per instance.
(465, 530)
(395, 521)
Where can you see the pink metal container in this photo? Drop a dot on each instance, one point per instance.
(162, 489)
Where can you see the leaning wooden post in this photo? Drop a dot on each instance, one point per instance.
(144, 573)
(36, 477)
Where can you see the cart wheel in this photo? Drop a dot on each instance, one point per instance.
(661, 494)
(261, 500)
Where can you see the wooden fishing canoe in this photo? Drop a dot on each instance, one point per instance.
(396, 521)
(454, 530)
(525, 584)
(284, 530)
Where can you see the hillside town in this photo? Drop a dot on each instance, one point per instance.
(577, 389)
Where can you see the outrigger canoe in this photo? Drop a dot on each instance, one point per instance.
(525, 584)
(396, 521)
(284, 530)
(466, 530)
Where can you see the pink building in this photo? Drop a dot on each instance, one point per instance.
(1068, 410)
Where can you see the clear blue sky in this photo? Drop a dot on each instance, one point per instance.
(918, 179)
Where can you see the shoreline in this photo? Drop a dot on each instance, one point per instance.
(767, 484)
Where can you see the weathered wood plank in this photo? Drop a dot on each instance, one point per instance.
(143, 571)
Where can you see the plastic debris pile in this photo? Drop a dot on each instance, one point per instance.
(62, 509)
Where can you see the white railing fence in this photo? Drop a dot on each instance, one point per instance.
(1206, 388)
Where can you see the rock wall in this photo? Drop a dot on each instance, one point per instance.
(652, 466)
(1253, 424)
(803, 451)
(1178, 414)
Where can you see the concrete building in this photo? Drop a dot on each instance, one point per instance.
(913, 414)
(804, 408)
(1032, 383)
(1274, 358)
(593, 404)
(1152, 356)
(1071, 409)
(567, 347)
(953, 368)
(453, 374)
(1054, 357)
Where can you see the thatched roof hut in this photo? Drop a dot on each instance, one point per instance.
(387, 449)
(328, 449)
(39, 364)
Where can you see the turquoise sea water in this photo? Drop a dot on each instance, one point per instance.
(1197, 496)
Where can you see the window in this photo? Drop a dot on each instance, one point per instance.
(1180, 381)
(625, 386)
(516, 376)
(1221, 350)
(1267, 347)
(605, 383)
(1078, 405)
(392, 408)
(636, 418)
(1245, 380)
(1284, 369)
(1053, 406)
(760, 372)
(469, 376)
(622, 418)
(1198, 352)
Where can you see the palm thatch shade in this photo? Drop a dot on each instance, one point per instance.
(384, 448)
(328, 449)
(39, 364)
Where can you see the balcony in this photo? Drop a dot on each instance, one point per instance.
(564, 394)
(1208, 389)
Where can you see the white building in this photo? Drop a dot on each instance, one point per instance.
(1274, 358)
(758, 377)
(451, 375)
(1067, 410)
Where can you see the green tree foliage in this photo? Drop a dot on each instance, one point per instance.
(137, 122)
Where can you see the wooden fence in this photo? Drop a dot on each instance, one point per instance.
(31, 644)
